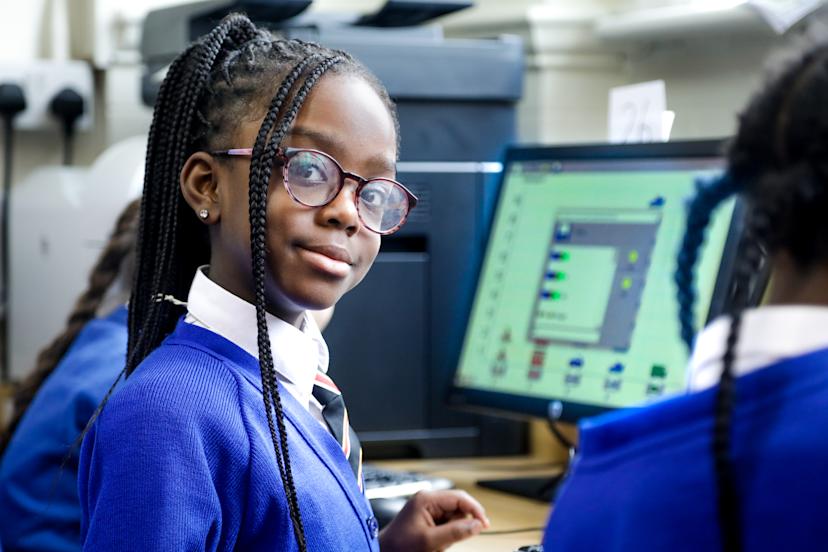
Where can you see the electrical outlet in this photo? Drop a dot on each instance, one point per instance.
(41, 80)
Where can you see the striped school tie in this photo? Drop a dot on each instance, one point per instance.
(336, 416)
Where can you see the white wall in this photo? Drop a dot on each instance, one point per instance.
(709, 86)
(22, 28)
(710, 69)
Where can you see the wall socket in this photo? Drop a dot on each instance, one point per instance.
(41, 80)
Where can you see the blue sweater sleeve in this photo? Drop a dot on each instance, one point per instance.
(165, 466)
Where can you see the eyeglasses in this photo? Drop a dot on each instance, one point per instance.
(314, 179)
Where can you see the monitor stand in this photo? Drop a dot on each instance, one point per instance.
(540, 488)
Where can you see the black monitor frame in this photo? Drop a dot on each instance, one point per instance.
(511, 405)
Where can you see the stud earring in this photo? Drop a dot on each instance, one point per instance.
(203, 214)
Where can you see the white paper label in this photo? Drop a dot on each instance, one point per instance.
(636, 113)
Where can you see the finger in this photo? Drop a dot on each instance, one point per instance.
(457, 514)
(451, 502)
(443, 536)
(468, 505)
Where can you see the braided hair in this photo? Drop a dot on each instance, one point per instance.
(114, 261)
(778, 161)
(214, 84)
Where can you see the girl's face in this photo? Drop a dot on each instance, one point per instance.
(314, 254)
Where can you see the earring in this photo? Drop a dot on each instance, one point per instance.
(203, 214)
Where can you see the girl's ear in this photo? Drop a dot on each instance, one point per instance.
(199, 185)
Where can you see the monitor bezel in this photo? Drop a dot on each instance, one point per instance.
(511, 405)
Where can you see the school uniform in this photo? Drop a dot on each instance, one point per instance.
(644, 478)
(182, 458)
(38, 492)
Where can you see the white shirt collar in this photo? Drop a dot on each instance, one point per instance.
(768, 334)
(297, 353)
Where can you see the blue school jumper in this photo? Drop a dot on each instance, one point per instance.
(644, 479)
(39, 508)
(182, 459)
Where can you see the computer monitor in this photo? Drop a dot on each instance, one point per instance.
(575, 310)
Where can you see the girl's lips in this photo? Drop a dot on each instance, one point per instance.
(334, 252)
(325, 263)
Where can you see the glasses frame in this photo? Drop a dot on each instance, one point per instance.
(285, 154)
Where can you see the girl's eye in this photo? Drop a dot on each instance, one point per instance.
(308, 170)
(312, 171)
(373, 197)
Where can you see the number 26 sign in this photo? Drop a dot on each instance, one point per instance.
(638, 113)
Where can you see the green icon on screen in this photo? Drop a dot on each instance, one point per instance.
(626, 283)
(655, 389)
(658, 371)
(633, 256)
(553, 295)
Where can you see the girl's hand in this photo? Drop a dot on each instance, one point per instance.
(433, 520)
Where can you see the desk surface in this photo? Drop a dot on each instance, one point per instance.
(506, 512)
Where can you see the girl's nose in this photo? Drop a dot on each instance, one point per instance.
(342, 210)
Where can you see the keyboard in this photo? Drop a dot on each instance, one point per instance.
(385, 483)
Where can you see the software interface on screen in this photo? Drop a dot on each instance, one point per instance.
(576, 299)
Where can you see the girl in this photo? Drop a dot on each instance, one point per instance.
(739, 462)
(273, 161)
(38, 473)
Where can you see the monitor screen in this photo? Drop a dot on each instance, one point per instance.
(575, 306)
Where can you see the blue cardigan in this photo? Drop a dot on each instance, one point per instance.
(181, 459)
(644, 478)
(38, 500)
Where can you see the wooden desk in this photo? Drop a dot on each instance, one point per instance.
(506, 512)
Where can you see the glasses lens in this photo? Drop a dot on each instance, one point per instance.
(383, 205)
(312, 178)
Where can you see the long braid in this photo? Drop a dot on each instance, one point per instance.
(147, 317)
(271, 399)
(151, 208)
(150, 319)
(727, 496)
(104, 273)
(260, 172)
(710, 193)
(158, 230)
(270, 395)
